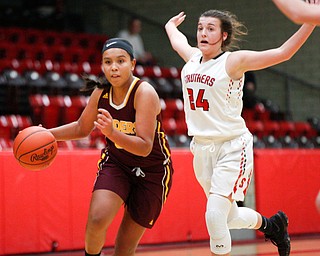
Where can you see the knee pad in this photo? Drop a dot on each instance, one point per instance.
(242, 217)
(218, 208)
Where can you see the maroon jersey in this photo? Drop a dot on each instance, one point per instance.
(124, 120)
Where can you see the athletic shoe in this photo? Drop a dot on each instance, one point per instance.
(279, 236)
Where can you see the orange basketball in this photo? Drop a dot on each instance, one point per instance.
(35, 148)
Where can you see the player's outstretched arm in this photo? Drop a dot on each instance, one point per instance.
(242, 61)
(300, 12)
(178, 40)
(84, 125)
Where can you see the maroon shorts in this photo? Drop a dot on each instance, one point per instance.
(144, 190)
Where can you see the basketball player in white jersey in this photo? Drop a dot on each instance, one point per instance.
(212, 81)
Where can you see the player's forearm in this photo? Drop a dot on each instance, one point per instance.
(295, 42)
(299, 12)
(69, 131)
(133, 144)
(175, 36)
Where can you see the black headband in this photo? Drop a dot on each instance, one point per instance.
(118, 43)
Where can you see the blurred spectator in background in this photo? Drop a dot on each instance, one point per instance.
(250, 99)
(261, 105)
(132, 34)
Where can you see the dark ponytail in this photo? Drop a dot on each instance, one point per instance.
(91, 83)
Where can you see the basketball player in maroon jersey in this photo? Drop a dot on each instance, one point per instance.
(135, 168)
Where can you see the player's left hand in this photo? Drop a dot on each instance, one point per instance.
(104, 122)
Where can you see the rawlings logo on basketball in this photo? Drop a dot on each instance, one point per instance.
(35, 148)
(47, 152)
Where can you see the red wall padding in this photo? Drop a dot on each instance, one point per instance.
(289, 180)
(37, 208)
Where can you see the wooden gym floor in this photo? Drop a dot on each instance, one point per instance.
(300, 246)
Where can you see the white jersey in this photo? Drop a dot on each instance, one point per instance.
(212, 100)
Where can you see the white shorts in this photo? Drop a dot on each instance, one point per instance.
(224, 168)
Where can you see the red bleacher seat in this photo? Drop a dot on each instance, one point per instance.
(73, 107)
(5, 144)
(67, 39)
(52, 112)
(157, 71)
(169, 126)
(14, 35)
(163, 86)
(67, 144)
(304, 129)
(76, 55)
(58, 53)
(5, 128)
(98, 41)
(33, 36)
(92, 56)
(173, 109)
(256, 127)
(23, 121)
(10, 64)
(84, 68)
(46, 109)
(8, 51)
(51, 37)
(149, 71)
(182, 128)
(170, 72)
(286, 128)
(271, 128)
(88, 41)
(18, 123)
(248, 114)
(83, 41)
(139, 71)
(96, 69)
(25, 65)
(41, 66)
(10, 125)
(261, 113)
(69, 67)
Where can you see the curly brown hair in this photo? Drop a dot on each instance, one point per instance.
(230, 25)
